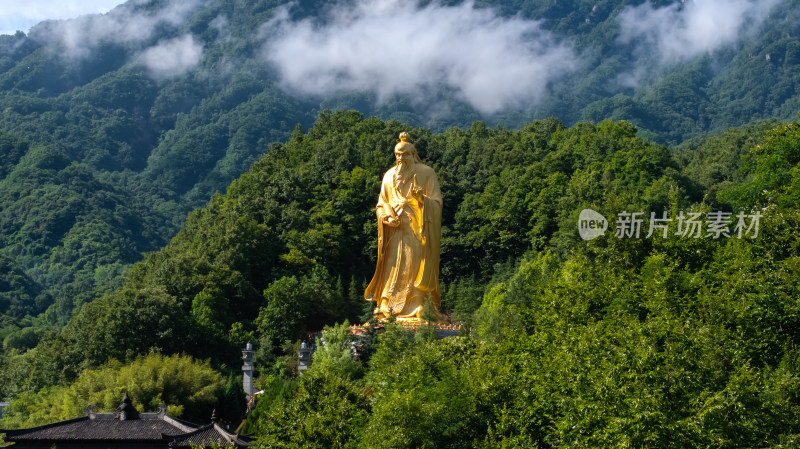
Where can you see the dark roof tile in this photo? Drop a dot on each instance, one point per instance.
(105, 426)
(210, 434)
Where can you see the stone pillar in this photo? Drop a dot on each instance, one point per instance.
(304, 358)
(247, 370)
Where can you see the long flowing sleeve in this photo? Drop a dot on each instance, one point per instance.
(373, 291)
(428, 276)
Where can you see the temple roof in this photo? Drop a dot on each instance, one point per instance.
(85, 428)
(210, 434)
(125, 424)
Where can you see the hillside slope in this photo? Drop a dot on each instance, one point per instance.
(116, 126)
(676, 339)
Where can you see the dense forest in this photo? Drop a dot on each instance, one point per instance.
(123, 123)
(156, 216)
(666, 340)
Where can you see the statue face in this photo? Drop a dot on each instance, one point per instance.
(404, 154)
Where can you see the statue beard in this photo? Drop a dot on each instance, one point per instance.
(403, 173)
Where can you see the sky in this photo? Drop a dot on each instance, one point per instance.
(23, 14)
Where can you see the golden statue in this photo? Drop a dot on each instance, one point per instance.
(409, 237)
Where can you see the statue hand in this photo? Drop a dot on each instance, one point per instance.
(391, 221)
(416, 190)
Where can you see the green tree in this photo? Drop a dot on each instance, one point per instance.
(189, 387)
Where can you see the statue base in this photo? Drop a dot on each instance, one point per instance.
(414, 324)
(411, 321)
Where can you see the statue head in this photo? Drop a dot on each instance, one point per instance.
(405, 152)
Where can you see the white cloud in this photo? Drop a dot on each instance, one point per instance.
(220, 23)
(679, 32)
(394, 46)
(123, 25)
(172, 58)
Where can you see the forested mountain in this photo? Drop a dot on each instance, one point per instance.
(158, 104)
(664, 340)
(117, 130)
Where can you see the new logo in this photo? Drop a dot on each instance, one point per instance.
(591, 224)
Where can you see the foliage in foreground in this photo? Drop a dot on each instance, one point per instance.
(602, 353)
(190, 388)
(642, 343)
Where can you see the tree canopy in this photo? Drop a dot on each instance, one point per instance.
(658, 340)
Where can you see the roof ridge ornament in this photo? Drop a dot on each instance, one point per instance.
(126, 410)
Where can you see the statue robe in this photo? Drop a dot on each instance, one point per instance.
(408, 255)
